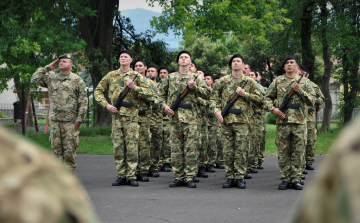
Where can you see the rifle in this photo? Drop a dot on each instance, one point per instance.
(157, 87)
(179, 98)
(121, 97)
(230, 103)
(288, 97)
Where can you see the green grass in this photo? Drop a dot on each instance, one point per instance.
(98, 140)
(323, 142)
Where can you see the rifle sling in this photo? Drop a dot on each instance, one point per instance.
(310, 110)
(235, 111)
(211, 114)
(142, 112)
(127, 104)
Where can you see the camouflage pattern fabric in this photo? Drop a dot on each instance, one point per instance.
(35, 187)
(144, 148)
(203, 147)
(184, 132)
(125, 131)
(290, 133)
(165, 155)
(64, 141)
(184, 145)
(261, 156)
(334, 195)
(214, 142)
(220, 151)
(236, 144)
(155, 146)
(68, 99)
(251, 162)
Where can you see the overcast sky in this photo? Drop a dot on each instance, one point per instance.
(133, 4)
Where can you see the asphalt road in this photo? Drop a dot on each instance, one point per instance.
(156, 202)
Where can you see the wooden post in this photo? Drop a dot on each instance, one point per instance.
(34, 113)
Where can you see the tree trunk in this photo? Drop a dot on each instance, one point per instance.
(327, 72)
(97, 31)
(308, 58)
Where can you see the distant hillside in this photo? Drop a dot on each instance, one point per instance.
(140, 18)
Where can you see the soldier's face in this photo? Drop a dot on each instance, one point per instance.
(200, 74)
(258, 77)
(290, 65)
(208, 81)
(252, 75)
(216, 80)
(246, 69)
(65, 64)
(163, 74)
(125, 59)
(192, 68)
(140, 67)
(184, 60)
(151, 73)
(237, 64)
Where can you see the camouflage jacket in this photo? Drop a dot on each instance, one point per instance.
(114, 82)
(68, 99)
(258, 108)
(156, 117)
(277, 91)
(225, 88)
(318, 101)
(172, 87)
(36, 187)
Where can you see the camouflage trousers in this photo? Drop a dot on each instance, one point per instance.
(156, 145)
(203, 147)
(144, 148)
(165, 155)
(64, 141)
(184, 145)
(251, 163)
(291, 142)
(258, 136)
(214, 142)
(125, 138)
(311, 139)
(220, 150)
(261, 157)
(235, 142)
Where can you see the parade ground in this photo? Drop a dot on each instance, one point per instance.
(156, 202)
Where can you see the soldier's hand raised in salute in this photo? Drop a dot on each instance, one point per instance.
(53, 64)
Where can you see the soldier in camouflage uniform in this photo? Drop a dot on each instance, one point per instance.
(165, 155)
(35, 187)
(68, 105)
(144, 128)
(235, 134)
(334, 195)
(184, 131)
(291, 125)
(156, 124)
(311, 122)
(125, 129)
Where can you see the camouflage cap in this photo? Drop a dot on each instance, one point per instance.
(67, 55)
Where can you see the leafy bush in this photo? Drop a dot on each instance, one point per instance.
(271, 119)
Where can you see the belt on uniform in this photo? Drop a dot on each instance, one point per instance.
(127, 104)
(310, 110)
(185, 106)
(202, 111)
(142, 112)
(235, 111)
(154, 107)
(211, 114)
(293, 106)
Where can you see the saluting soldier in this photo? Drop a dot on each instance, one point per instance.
(125, 129)
(235, 134)
(68, 106)
(184, 131)
(291, 125)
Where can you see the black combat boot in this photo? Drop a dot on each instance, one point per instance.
(212, 169)
(229, 183)
(201, 172)
(284, 185)
(240, 184)
(133, 183)
(260, 166)
(247, 175)
(196, 180)
(309, 167)
(155, 173)
(303, 177)
(176, 183)
(302, 182)
(144, 177)
(220, 166)
(119, 181)
(167, 167)
(296, 185)
(253, 170)
(161, 168)
(190, 184)
(305, 172)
